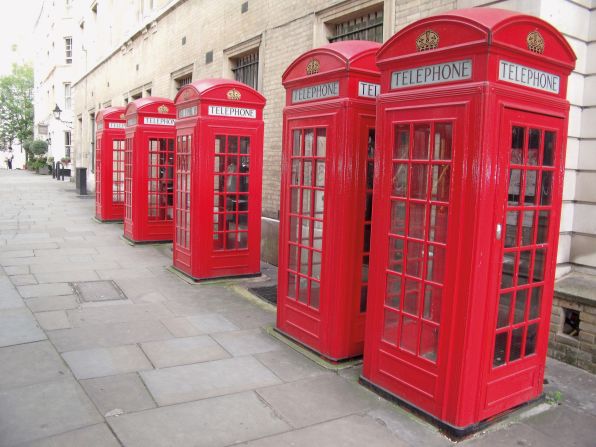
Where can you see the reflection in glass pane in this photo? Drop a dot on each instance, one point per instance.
(438, 223)
(307, 173)
(390, 326)
(432, 303)
(542, 233)
(441, 181)
(409, 334)
(412, 296)
(511, 229)
(400, 179)
(442, 150)
(435, 266)
(417, 221)
(316, 265)
(523, 269)
(533, 146)
(396, 254)
(429, 339)
(421, 142)
(514, 187)
(504, 310)
(517, 338)
(535, 303)
(232, 145)
(546, 189)
(294, 200)
(507, 270)
(418, 181)
(500, 349)
(306, 202)
(303, 290)
(415, 258)
(321, 142)
(293, 261)
(306, 232)
(319, 203)
(531, 337)
(402, 142)
(244, 145)
(308, 141)
(291, 285)
(295, 179)
(296, 143)
(539, 264)
(220, 144)
(549, 148)
(521, 299)
(528, 228)
(320, 173)
(530, 193)
(370, 152)
(315, 294)
(517, 145)
(398, 217)
(393, 291)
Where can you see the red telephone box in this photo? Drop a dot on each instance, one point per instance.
(219, 169)
(326, 197)
(109, 165)
(472, 129)
(149, 170)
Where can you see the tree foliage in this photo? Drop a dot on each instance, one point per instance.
(38, 147)
(16, 106)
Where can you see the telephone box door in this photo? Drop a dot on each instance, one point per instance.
(236, 198)
(528, 224)
(413, 274)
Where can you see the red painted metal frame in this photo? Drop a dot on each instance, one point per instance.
(319, 301)
(219, 169)
(469, 373)
(109, 182)
(149, 122)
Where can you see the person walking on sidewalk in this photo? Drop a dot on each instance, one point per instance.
(9, 158)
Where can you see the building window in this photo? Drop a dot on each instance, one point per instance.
(67, 143)
(68, 48)
(183, 80)
(366, 27)
(246, 69)
(67, 96)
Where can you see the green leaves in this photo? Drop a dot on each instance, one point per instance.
(16, 106)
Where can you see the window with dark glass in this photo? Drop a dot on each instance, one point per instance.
(68, 49)
(246, 69)
(366, 27)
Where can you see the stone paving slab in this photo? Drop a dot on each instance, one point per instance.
(214, 422)
(23, 280)
(67, 276)
(9, 297)
(124, 393)
(107, 335)
(30, 363)
(98, 435)
(513, 435)
(316, 400)
(17, 270)
(47, 303)
(183, 351)
(202, 380)
(351, 431)
(42, 410)
(117, 312)
(253, 341)
(18, 326)
(54, 289)
(91, 363)
(290, 365)
(211, 323)
(180, 327)
(52, 320)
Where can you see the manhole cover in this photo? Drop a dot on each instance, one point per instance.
(268, 293)
(98, 291)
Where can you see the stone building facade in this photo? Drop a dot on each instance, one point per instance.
(126, 49)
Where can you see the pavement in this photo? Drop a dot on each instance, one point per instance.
(101, 345)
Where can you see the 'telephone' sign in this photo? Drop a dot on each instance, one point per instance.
(319, 91)
(368, 90)
(159, 121)
(432, 74)
(236, 112)
(529, 77)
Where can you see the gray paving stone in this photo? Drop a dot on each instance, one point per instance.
(317, 400)
(290, 365)
(98, 435)
(252, 341)
(9, 297)
(67, 276)
(30, 363)
(100, 362)
(23, 280)
(212, 323)
(116, 312)
(18, 326)
(42, 410)
(125, 392)
(215, 422)
(567, 426)
(52, 320)
(201, 380)
(183, 351)
(10, 254)
(512, 435)
(47, 303)
(107, 335)
(251, 318)
(43, 266)
(45, 290)
(17, 270)
(124, 273)
(180, 327)
(351, 431)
